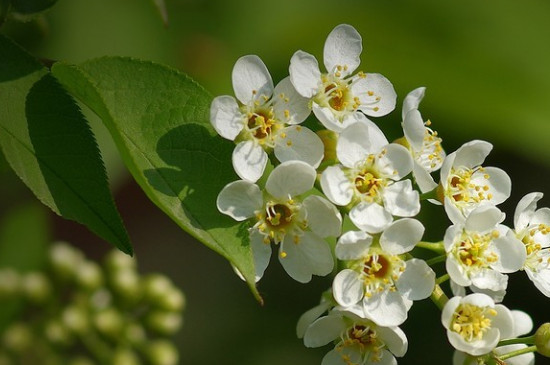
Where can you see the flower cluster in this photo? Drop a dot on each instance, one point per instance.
(90, 314)
(348, 182)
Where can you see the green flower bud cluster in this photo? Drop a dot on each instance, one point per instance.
(79, 312)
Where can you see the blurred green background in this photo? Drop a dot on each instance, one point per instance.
(486, 69)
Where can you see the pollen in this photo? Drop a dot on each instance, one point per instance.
(471, 321)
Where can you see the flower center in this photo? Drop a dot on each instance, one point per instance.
(472, 250)
(538, 258)
(368, 182)
(468, 187)
(471, 321)
(379, 272)
(336, 93)
(280, 218)
(365, 339)
(262, 126)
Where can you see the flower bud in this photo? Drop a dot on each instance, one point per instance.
(329, 139)
(116, 260)
(89, 275)
(9, 282)
(109, 322)
(126, 284)
(135, 334)
(17, 338)
(125, 357)
(166, 323)
(75, 319)
(161, 292)
(81, 360)
(161, 352)
(56, 333)
(65, 259)
(542, 339)
(36, 287)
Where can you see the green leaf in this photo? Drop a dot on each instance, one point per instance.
(48, 143)
(31, 6)
(159, 119)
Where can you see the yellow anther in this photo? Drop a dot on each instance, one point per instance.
(289, 143)
(370, 93)
(283, 254)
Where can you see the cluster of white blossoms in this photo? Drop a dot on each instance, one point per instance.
(342, 201)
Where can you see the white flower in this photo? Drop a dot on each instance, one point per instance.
(281, 217)
(481, 251)
(337, 95)
(359, 341)
(522, 325)
(368, 178)
(264, 119)
(422, 141)
(466, 184)
(475, 324)
(378, 284)
(532, 227)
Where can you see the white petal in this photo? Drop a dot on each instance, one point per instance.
(423, 178)
(336, 356)
(500, 185)
(401, 200)
(489, 279)
(353, 245)
(417, 281)
(457, 290)
(310, 256)
(456, 272)
(226, 117)
(395, 339)
(511, 253)
(251, 79)
(372, 218)
(290, 178)
(261, 252)
(475, 347)
(541, 279)
(359, 140)
(496, 295)
(448, 311)
(300, 144)
(524, 359)
(412, 100)
(309, 317)
(329, 120)
(386, 309)
(483, 219)
(322, 217)
(525, 210)
(448, 163)
(342, 48)
(385, 358)
(324, 330)
(347, 288)
(288, 105)
(336, 185)
(249, 160)
(472, 154)
(401, 236)
(523, 323)
(396, 162)
(503, 321)
(414, 129)
(454, 214)
(304, 73)
(379, 97)
(239, 200)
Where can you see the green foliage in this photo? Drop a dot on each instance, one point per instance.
(31, 6)
(159, 120)
(48, 143)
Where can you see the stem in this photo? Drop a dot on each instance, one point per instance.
(523, 340)
(435, 260)
(429, 195)
(433, 246)
(522, 351)
(439, 297)
(442, 279)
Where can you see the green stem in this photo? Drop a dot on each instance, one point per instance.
(523, 340)
(439, 297)
(522, 351)
(429, 195)
(433, 246)
(435, 260)
(442, 279)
